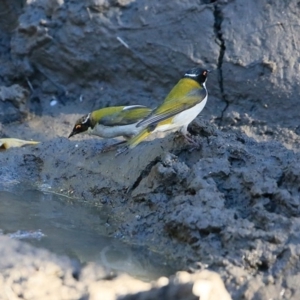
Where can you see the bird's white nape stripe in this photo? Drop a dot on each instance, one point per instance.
(191, 75)
(86, 119)
(132, 106)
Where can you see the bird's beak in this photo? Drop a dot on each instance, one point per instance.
(71, 134)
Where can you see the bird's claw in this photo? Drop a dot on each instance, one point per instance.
(121, 150)
(111, 147)
(191, 140)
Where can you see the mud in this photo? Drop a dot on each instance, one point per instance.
(232, 205)
(42, 275)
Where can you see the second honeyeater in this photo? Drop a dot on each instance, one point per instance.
(111, 122)
(181, 106)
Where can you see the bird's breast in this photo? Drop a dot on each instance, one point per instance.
(114, 131)
(190, 114)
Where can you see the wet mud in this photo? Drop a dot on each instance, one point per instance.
(231, 205)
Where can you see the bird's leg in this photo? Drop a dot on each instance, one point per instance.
(121, 150)
(194, 145)
(189, 138)
(112, 147)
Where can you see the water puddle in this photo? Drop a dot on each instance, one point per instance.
(72, 228)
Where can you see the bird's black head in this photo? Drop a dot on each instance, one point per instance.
(197, 74)
(81, 125)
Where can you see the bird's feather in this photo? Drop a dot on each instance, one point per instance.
(138, 138)
(127, 115)
(184, 102)
(174, 106)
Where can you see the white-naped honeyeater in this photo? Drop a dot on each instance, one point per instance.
(111, 122)
(181, 106)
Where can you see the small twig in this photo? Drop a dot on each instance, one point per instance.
(89, 13)
(60, 194)
(122, 42)
(30, 85)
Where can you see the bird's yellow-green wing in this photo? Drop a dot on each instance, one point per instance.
(128, 115)
(165, 111)
(183, 87)
(185, 94)
(174, 106)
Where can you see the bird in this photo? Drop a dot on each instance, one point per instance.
(181, 106)
(111, 122)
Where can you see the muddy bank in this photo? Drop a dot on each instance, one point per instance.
(233, 204)
(230, 205)
(71, 49)
(39, 274)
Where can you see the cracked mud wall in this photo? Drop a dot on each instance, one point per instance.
(218, 15)
(232, 204)
(261, 63)
(90, 49)
(83, 44)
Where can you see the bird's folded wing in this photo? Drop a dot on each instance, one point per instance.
(129, 115)
(173, 107)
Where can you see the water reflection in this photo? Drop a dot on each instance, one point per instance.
(75, 229)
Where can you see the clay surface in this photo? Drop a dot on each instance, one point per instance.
(230, 206)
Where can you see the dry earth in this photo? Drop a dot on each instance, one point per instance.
(231, 206)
